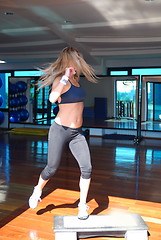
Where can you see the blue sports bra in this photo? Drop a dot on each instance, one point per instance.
(73, 95)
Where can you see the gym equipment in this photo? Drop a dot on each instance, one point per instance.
(30, 131)
(24, 114)
(100, 108)
(124, 109)
(14, 116)
(1, 100)
(17, 101)
(21, 86)
(1, 117)
(113, 225)
(0, 82)
(14, 102)
(56, 110)
(12, 88)
(23, 100)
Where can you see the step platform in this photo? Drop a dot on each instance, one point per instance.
(130, 226)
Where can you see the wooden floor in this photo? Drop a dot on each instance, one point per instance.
(126, 178)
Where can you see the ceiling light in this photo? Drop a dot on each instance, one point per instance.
(149, 0)
(8, 13)
(67, 21)
(2, 61)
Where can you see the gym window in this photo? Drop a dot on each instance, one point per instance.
(118, 73)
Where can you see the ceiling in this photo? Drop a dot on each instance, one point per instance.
(37, 30)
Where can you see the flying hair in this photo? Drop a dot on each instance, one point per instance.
(68, 56)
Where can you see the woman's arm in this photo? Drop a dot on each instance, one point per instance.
(57, 89)
(59, 85)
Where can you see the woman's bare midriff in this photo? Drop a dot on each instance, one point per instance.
(70, 115)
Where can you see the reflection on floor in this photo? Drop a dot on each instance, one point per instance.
(122, 124)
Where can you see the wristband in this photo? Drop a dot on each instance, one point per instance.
(64, 79)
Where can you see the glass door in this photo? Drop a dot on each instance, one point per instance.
(126, 99)
(154, 101)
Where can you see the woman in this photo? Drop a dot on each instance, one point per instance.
(63, 75)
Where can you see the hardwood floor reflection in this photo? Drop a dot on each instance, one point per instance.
(125, 177)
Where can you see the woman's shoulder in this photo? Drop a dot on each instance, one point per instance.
(56, 81)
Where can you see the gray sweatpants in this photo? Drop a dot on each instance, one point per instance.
(59, 136)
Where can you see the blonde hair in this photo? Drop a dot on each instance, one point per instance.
(68, 55)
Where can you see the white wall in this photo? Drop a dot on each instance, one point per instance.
(103, 89)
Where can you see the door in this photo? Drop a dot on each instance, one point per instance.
(154, 101)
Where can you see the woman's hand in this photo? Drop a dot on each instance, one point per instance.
(69, 72)
(57, 89)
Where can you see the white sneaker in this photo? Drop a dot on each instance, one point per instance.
(82, 211)
(35, 198)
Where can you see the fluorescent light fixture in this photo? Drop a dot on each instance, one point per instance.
(2, 61)
(8, 13)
